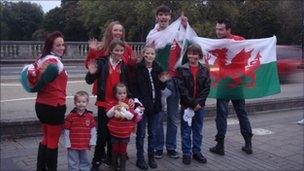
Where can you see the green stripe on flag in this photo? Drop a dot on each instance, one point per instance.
(266, 83)
(162, 56)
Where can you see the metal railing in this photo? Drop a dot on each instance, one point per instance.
(30, 49)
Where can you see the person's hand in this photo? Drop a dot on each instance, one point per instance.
(197, 107)
(184, 20)
(92, 66)
(131, 103)
(93, 44)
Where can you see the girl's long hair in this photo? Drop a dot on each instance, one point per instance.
(107, 37)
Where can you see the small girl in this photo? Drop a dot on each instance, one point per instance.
(147, 86)
(80, 133)
(121, 124)
(194, 87)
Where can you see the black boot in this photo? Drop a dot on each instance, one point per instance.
(123, 158)
(51, 159)
(151, 161)
(114, 165)
(248, 146)
(41, 162)
(219, 147)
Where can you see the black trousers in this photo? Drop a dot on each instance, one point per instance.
(103, 138)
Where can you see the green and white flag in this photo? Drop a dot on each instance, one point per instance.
(241, 69)
(169, 43)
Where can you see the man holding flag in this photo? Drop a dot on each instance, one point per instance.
(166, 40)
(223, 31)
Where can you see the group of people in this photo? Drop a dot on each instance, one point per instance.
(129, 92)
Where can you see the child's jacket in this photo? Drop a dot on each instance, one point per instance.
(186, 86)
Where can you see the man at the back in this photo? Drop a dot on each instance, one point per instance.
(223, 31)
(163, 17)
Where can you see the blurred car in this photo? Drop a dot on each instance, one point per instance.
(288, 60)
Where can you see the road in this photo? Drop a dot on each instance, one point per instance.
(277, 145)
(16, 103)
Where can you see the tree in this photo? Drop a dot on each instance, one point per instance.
(66, 19)
(20, 20)
(257, 19)
(291, 27)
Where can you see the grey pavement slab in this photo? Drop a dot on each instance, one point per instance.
(281, 149)
(18, 105)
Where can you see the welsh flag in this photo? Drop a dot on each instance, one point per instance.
(241, 69)
(169, 43)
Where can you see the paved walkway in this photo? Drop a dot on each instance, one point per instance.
(277, 145)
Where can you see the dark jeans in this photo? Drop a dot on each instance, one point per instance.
(151, 119)
(103, 138)
(172, 120)
(197, 135)
(222, 113)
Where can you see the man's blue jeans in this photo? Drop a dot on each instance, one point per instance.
(172, 114)
(151, 119)
(197, 135)
(222, 113)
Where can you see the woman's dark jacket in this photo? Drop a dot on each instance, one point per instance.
(102, 75)
(186, 86)
(142, 88)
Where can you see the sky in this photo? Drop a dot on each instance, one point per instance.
(46, 5)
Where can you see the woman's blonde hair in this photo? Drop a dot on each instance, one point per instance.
(107, 36)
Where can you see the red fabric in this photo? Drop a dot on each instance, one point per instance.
(112, 80)
(173, 58)
(80, 129)
(120, 128)
(95, 54)
(119, 148)
(54, 93)
(51, 135)
(194, 70)
(235, 37)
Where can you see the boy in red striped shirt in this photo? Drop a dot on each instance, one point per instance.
(79, 133)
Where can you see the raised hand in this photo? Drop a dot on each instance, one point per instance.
(93, 44)
(92, 66)
(184, 19)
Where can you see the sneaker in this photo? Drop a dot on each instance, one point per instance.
(95, 166)
(151, 162)
(301, 122)
(141, 164)
(186, 159)
(173, 154)
(158, 154)
(199, 157)
(106, 162)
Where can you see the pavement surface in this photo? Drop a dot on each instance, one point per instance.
(18, 117)
(277, 145)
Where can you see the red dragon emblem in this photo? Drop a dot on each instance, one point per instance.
(237, 69)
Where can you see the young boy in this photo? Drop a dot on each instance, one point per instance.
(163, 17)
(149, 82)
(194, 87)
(80, 133)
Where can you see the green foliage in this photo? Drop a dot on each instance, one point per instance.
(257, 19)
(19, 20)
(66, 19)
(80, 20)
